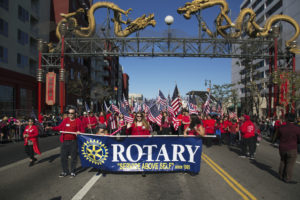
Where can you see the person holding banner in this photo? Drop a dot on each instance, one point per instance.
(91, 122)
(139, 126)
(195, 127)
(69, 143)
(30, 135)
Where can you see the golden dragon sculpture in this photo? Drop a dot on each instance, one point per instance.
(133, 26)
(252, 28)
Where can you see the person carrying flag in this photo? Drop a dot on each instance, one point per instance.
(165, 124)
(139, 126)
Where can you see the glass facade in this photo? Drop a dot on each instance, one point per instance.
(7, 100)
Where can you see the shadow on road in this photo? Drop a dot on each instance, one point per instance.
(235, 149)
(56, 198)
(50, 159)
(265, 167)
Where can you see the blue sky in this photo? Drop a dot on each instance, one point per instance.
(148, 75)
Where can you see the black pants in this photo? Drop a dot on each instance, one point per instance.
(68, 147)
(248, 144)
(165, 131)
(29, 151)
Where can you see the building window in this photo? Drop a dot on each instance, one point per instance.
(274, 8)
(26, 96)
(260, 10)
(3, 27)
(7, 99)
(260, 20)
(3, 55)
(22, 37)
(245, 5)
(255, 4)
(22, 60)
(269, 2)
(4, 4)
(23, 14)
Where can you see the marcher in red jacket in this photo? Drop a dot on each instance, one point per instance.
(69, 143)
(248, 137)
(30, 136)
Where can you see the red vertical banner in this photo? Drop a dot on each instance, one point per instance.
(284, 89)
(50, 88)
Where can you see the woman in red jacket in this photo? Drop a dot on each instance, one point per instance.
(30, 136)
(139, 126)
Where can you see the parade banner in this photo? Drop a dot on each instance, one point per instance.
(137, 154)
(50, 88)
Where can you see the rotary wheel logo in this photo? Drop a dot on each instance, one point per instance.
(94, 151)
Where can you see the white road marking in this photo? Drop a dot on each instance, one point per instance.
(26, 160)
(81, 193)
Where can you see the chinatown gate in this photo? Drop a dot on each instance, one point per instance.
(76, 41)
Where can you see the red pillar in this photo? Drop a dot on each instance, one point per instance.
(40, 84)
(293, 86)
(270, 86)
(62, 76)
(275, 70)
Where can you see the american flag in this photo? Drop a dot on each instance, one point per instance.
(125, 101)
(206, 106)
(113, 122)
(219, 108)
(232, 115)
(161, 98)
(146, 106)
(176, 123)
(192, 105)
(155, 116)
(170, 109)
(115, 108)
(127, 117)
(176, 102)
(107, 109)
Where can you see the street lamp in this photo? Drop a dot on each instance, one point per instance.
(169, 21)
(116, 92)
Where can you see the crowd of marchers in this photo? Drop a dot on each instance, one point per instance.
(241, 132)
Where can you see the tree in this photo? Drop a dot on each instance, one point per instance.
(222, 93)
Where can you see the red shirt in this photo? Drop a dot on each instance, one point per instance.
(233, 128)
(179, 117)
(186, 119)
(209, 126)
(193, 132)
(92, 120)
(102, 120)
(139, 130)
(247, 129)
(69, 126)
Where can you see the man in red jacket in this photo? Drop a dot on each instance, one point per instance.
(69, 143)
(248, 137)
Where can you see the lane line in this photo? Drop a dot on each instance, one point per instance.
(26, 160)
(230, 177)
(81, 193)
(226, 179)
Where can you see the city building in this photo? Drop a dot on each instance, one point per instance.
(21, 24)
(264, 9)
(135, 98)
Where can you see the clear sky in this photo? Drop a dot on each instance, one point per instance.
(148, 75)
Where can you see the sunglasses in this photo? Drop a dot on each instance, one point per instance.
(138, 116)
(71, 113)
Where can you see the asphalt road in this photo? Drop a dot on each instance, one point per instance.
(223, 175)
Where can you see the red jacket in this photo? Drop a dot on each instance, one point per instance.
(32, 136)
(209, 126)
(62, 127)
(247, 129)
(138, 130)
